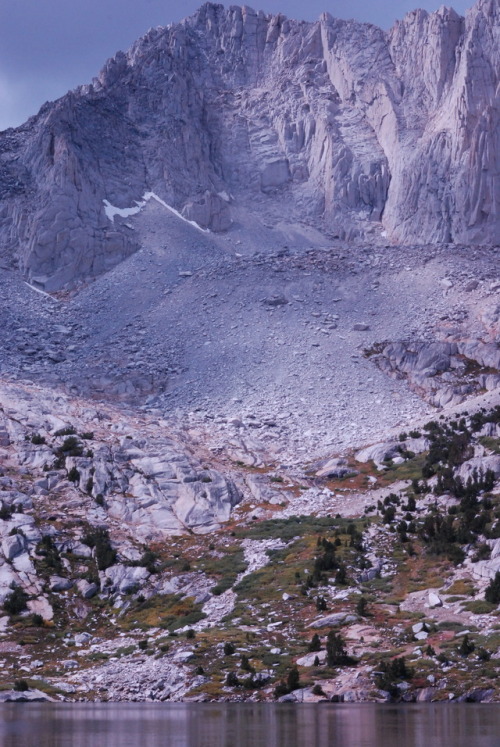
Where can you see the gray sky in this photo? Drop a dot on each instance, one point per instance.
(50, 46)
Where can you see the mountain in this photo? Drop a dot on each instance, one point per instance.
(235, 118)
(250, 368)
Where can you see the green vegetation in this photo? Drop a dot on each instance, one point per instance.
(492, 592)
(169, 611)
(16, 602)
(50, 559)
(69, 431)
(391, 673)
(98, 539)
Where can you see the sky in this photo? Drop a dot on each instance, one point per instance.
(48, 47)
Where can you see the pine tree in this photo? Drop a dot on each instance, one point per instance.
(492, 593)
(293, 679)
(315, 644)
(336, 653)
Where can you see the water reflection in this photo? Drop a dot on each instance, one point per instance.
(248, 725)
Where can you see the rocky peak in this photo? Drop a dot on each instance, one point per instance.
(365, 135)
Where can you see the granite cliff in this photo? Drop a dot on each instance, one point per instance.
(235, 116)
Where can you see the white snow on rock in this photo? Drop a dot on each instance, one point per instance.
(112, 210)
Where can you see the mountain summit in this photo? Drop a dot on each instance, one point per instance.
(236, 116)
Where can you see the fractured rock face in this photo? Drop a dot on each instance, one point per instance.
(334, 123)
(210, 212)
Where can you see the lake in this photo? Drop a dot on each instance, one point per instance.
(242, 725)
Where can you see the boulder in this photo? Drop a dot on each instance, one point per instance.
(434, 600)
(13, 546)
(309, 659)
(41, 606)
(335, 468)
(426, 695)
(29, 696)
(378, 453)
(275, 174)
(479, 464)
(58, 583)
(86, 589)
(123, 579)
(211, 212)
(331, 621)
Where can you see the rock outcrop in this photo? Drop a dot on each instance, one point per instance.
(335, 123)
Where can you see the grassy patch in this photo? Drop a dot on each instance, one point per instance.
(169, 611)
(287, 529)
(461, 587)
(125, 650)
(409, 470)
(225, 570)
(493, 444)
(479, 607)
(451, 625)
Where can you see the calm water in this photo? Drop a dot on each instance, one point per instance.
(248, 725)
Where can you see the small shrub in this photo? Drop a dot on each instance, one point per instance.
(21, 686)
(479, 607)
(229, 649)
(47, 549)
(483, 654)
(466, 647)
(190, 633)
(245, 664)
(73, 475)
(71, 447)
(70, 431)
(37, 620)
(16, 601)
(315, 644)
(232, 679)
(104, 553)
(362, 607)
(143, 645)
(87, 436)
(5, 512)
(37, 439)
(148, 560)
(281, 689)
(341, 576)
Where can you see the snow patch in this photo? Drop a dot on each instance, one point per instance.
(151, 195)
(41, 292)
(111, 210)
